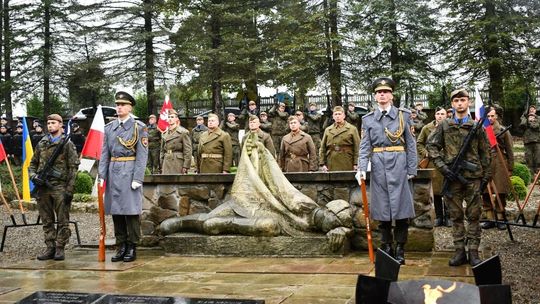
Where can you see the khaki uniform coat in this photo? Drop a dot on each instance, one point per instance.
(391, 193)
(437, 178)
(215, 143)
(339, 147)
(500, 174)
(120, 199)
(298, 153)
(175, 151)
(264, 138)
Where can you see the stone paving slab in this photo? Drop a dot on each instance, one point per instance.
(276, 280)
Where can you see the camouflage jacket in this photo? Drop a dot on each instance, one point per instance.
(154, 137)
(531, 126)
(445, 141)
(314, 121)
(65, 167)
(232, 128)
(280, 125)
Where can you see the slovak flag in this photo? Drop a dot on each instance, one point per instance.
(94, 140)
(480, 111)
(164, 114)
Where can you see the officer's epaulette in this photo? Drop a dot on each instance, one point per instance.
(405, 110)
(109, 123)
(370, 113)
(141, 124)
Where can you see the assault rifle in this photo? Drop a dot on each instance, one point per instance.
(41, 179)
(459, 164)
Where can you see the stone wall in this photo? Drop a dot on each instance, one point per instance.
(168, 196)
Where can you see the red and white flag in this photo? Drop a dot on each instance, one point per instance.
(94, 140)
(2, 152)
(164, 114)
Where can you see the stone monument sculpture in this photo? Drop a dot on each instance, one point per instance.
(262, 202)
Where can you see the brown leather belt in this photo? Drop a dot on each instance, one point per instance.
(209, 155)
(123, 158)
(293, 156)
(172, 151)
(341, 148)
(389, 149)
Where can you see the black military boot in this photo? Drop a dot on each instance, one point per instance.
(400, 253)
(459, 258)
(474, 259)
(131, 253)
(438, 222)
(48, 254)
(487, 225)
(59, 254)
(120, 253)
(387, 247)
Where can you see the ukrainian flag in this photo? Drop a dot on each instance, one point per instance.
(27, 155)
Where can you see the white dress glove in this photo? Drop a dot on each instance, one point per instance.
(135, 185)
(410, 176)
(101, 182)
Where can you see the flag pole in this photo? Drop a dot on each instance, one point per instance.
(23, 215)
(8, 207)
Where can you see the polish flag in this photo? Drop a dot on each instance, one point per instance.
(480, 113)
(164, 114)
(94, 140)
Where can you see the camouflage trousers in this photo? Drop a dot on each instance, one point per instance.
(153, 160)
(469, 194)
(235, 154)
(52, 209)
(532, 156)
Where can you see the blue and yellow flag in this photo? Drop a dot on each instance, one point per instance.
(27, 154)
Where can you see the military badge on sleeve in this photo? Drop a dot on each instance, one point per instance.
(144, 141)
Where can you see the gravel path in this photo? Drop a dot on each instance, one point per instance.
(520, 259)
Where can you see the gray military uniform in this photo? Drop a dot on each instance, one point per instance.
(123, 161)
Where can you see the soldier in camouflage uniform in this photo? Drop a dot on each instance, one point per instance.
(244, 116)
(303, 123)
(416, 123)
(280, 126)
(351, 116)
(154, 142)
(443, 145)
(266, 125)
(230, 126)
(175, 149)
(122, 165)
(422, 116)
(254, 127)
(314, 120)
(195, 135)
(530, 122)
(54, 202)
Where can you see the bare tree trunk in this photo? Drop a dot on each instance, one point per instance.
(215, 32)
(493, 57)
(333, 49)
(394, 53)
(47, 59)
(150, 57)
(7, 86)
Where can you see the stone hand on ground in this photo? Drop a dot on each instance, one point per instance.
(337, 237)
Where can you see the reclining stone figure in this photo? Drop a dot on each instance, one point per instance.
(262, 202)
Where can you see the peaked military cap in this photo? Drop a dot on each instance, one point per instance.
(383, 83)
(125, 98)
(461, 92)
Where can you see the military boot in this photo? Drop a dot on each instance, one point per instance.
(59, 254)
(120, 253)
(459, 258)
(400, 253)
(47, 254)
(489, 225)
(474, 259)
(387, 247)
(131, 253)
(439, 222)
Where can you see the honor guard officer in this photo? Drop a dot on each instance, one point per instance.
(387, 142)
(175, 147)
(54, 195)
(122, 165)
(443, 146)
(339, 145)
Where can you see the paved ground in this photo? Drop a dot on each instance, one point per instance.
(276, 280)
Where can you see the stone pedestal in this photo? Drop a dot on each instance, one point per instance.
(237, 245)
